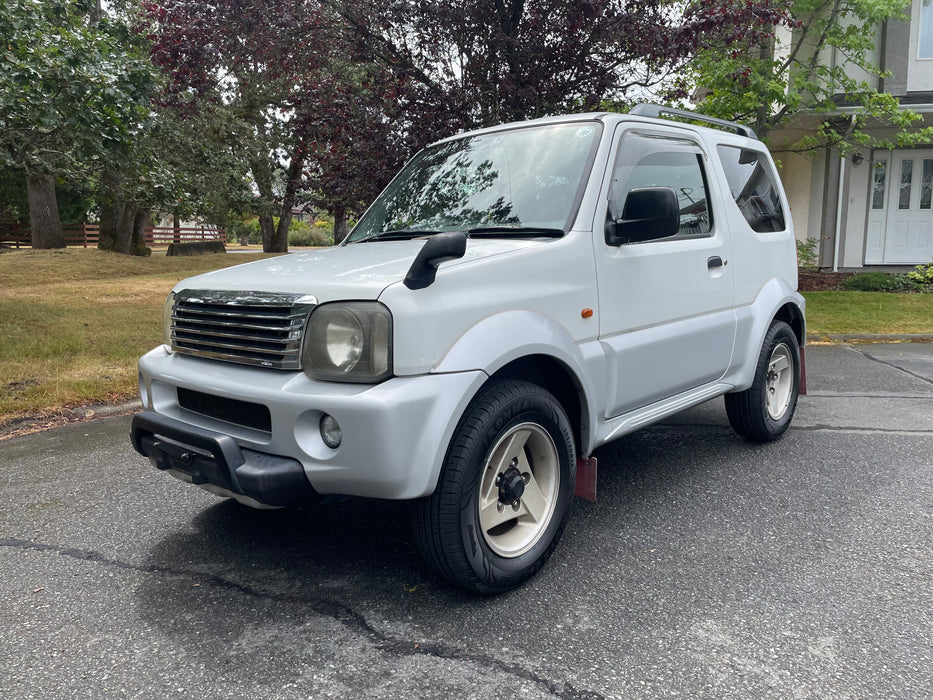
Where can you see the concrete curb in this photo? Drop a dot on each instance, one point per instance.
(871, 338)
(73, 414)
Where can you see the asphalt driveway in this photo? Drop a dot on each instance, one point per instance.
(708, 567)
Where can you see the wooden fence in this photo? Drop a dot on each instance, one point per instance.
(87, 235)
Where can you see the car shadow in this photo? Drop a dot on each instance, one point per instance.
(233, 570)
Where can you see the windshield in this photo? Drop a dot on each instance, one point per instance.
(526, 178)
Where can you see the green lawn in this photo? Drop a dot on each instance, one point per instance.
(73, 322)
(868, 313)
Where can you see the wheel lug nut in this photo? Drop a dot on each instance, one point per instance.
(515, 504)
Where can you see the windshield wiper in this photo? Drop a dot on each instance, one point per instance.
(512, 231)
(399, 234)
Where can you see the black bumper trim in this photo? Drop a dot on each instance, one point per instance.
(209, 457)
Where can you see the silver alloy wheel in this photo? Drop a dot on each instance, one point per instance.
(513, 516)
(779, 382)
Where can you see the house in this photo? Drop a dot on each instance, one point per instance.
(873, 209)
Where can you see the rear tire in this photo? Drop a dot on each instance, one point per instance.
(763, 412)
(504, 492)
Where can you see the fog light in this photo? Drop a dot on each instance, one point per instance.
(330, 432)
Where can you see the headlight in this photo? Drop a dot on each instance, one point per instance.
(349, 342)
(167, 319)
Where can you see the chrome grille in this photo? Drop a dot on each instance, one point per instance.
(251, 328)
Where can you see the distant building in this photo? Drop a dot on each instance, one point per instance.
(874, 208)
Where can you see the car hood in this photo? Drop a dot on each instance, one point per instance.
(357, 271)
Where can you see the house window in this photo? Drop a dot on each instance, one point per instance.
(926, 184)
(926, 29)
(907, 176)
(879, 179)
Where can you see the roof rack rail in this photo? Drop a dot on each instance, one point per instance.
(645, 109)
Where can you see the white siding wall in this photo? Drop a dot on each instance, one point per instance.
(795, 173)
(856, 213)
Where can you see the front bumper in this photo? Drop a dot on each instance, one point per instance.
(203, 457)
(395, 434)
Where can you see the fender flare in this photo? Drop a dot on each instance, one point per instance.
(498, 340)
(753, 322)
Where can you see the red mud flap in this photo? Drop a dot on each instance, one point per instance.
(586, 479)
(802, 389)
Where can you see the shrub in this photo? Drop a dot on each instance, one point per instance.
(878, 282)
(244, 231)
(302, 234)
(922, 276)
(807, 257)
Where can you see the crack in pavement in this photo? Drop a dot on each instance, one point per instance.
(894, 366)
(847, 395)
(334, 610)
(819, 427)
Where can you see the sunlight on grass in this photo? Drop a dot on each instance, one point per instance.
(74, 323)
(868, 313)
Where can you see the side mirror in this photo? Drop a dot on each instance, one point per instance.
(649, 213)
(439, 248)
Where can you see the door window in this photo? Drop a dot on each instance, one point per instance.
(907, 176)
(879, 178)
(647, 160)
(926, 184)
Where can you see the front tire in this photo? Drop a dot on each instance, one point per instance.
(763, 412)
(504, 492)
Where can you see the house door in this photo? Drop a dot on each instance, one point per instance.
(908, 234)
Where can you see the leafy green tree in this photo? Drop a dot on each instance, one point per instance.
(72, 92)
(336, 93)
(254, 58)
(491, 61)
(824, 59)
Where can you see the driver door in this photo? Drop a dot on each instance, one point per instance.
(666, 306)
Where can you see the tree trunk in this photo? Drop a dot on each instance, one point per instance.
(176, 226)
(280, 243)
(124, 232)
(267, 229)
(106, 238)
(111, 210)
(43, 213)
(138, 243)
(341, 224)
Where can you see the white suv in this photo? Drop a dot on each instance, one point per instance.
(517, 297)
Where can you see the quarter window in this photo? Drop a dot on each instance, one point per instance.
(754, 187)
(647, 160)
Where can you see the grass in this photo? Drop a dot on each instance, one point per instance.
(73, 322)
(831, 313)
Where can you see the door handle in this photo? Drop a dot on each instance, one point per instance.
(714, 261)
